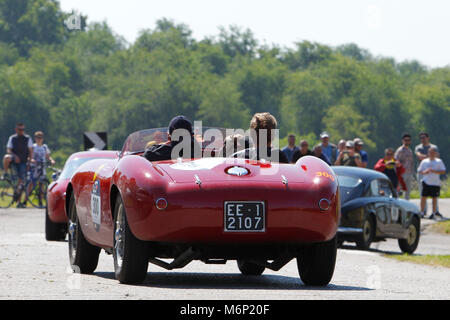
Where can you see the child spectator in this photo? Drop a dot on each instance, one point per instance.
(431, 168)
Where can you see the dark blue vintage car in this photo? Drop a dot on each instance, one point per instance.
(372, 211)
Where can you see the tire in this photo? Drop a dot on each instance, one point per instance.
(364, 240)
(6, 194)
(83, 256)
(410, 244)
(316, 263)
(130, 254)
(250, 269)
(54, 231)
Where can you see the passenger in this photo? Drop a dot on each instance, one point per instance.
(263, 121)
(162, 152)
(233, 144)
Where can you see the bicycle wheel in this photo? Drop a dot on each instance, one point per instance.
(38, 195)
(6, 194)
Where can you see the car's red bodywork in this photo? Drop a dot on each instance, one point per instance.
(57, 189)
(211, 209)
(196, 197)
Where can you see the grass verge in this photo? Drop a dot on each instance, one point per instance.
(432, 260)
(441, 227)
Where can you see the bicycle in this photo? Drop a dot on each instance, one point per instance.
(37, 185)
(11, 190)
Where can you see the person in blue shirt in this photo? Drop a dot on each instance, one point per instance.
(364, 156)
(291, 148)
(328, 149)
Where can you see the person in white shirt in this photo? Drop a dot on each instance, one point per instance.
(41, 154)
(431, 168)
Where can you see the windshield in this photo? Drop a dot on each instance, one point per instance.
(73, 165)
(210, 138)
(348, 182)
(350, 188)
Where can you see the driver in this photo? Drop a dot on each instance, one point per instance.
(263, 121)
(162, 152)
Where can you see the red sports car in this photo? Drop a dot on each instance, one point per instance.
(259, 213)
(55, 215)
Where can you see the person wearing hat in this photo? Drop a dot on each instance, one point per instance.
(162, 152)
(349, 157)
(328, 149)
(364, 156)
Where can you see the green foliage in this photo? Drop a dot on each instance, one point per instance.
(66, 82)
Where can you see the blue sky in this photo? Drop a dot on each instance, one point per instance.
(404, 30)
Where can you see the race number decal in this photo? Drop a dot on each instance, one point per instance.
(96, 205)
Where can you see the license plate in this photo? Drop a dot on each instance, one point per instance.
(245, 216)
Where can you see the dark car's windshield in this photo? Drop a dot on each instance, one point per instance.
(72, 165)
(349, 187)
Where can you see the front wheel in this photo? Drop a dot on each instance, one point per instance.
(316, 263)
(365, 239)
(409, 245)
(130, 254)
(83, 255)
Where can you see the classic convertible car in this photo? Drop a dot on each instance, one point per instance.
(371, 210)
(55, 215)
(259, 213)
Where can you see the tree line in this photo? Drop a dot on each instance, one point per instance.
(65, 82)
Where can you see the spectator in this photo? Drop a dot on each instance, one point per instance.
(349, 157)
(262, 126)
(303, 151)
(319, 154)
(41, 154)
(329, 149)
(341, 146)
(405, 156)
(430, 169)
(364, 156)
(392, 168)
(291, 148)
(421, 152)
(19, 152)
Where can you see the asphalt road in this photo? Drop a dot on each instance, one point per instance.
(31, 268)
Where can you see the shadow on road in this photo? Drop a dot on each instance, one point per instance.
(375, 250)
(225, 281)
